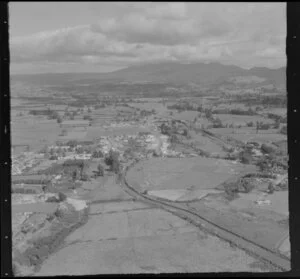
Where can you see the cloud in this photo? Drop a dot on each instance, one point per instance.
(137, 28)
(240, 33)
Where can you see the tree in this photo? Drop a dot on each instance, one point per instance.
(271, 188)
(74, 175)
(173, 139)
(79, 150)
(63, 132)
(112, 160)
(208, 113)
(100, 170)
(72, 143)
(245, 157)
(84, 176)
(59, 120)
(283, 130)
(52, 152)
(250, 124)
(267, 148)
(86, 117)
(217, 123)
(97, 154)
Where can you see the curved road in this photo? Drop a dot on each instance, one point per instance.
(276, 259)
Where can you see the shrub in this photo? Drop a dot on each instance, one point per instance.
(277, 124)
(79, 150)
(231, 190)
(228, 148)
(112, 160)
(116, 167)
(74, 163)
(271, 188)
(74, 175)
(204, 153)
(262, 164)
(86, 117)
(53, 157)
(283, 130)
(264, 126)
(119, 177)
(245, 157)
(217, 123)
(59, 213)
(61, 196)
(267, 149)
(282, 186)
(97, 154)
(245, 186)
(84, 177)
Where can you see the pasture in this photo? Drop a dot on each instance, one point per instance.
(241, 119)
(206, 144)
(34, 132)
(249, 134)
(183, 173)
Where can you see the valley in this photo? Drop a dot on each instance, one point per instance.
(156, 168)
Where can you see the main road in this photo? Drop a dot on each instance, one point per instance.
(125, 236)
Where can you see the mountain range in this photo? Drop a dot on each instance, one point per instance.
(166, 72)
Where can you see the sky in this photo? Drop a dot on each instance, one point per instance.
(107, 36)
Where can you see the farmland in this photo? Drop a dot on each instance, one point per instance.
(210, 151)
(184, 173)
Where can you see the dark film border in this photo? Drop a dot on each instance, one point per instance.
(293, 117)
(5, 167)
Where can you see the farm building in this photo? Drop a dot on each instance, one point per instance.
(74, 123)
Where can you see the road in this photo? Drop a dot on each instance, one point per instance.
(128, 236)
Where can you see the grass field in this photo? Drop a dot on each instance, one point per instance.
(34, 132)
(206, 144)
(241, 119)
(185, 115)
(249, 134)
(183, 173)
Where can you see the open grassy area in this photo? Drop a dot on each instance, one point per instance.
(241, 119)
(182, 173)
(34, 132)
(206, 144)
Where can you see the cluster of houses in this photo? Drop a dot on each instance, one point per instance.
(24, 161)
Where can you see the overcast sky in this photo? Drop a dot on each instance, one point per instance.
(104, 36)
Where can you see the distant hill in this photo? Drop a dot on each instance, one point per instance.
(166, 72)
